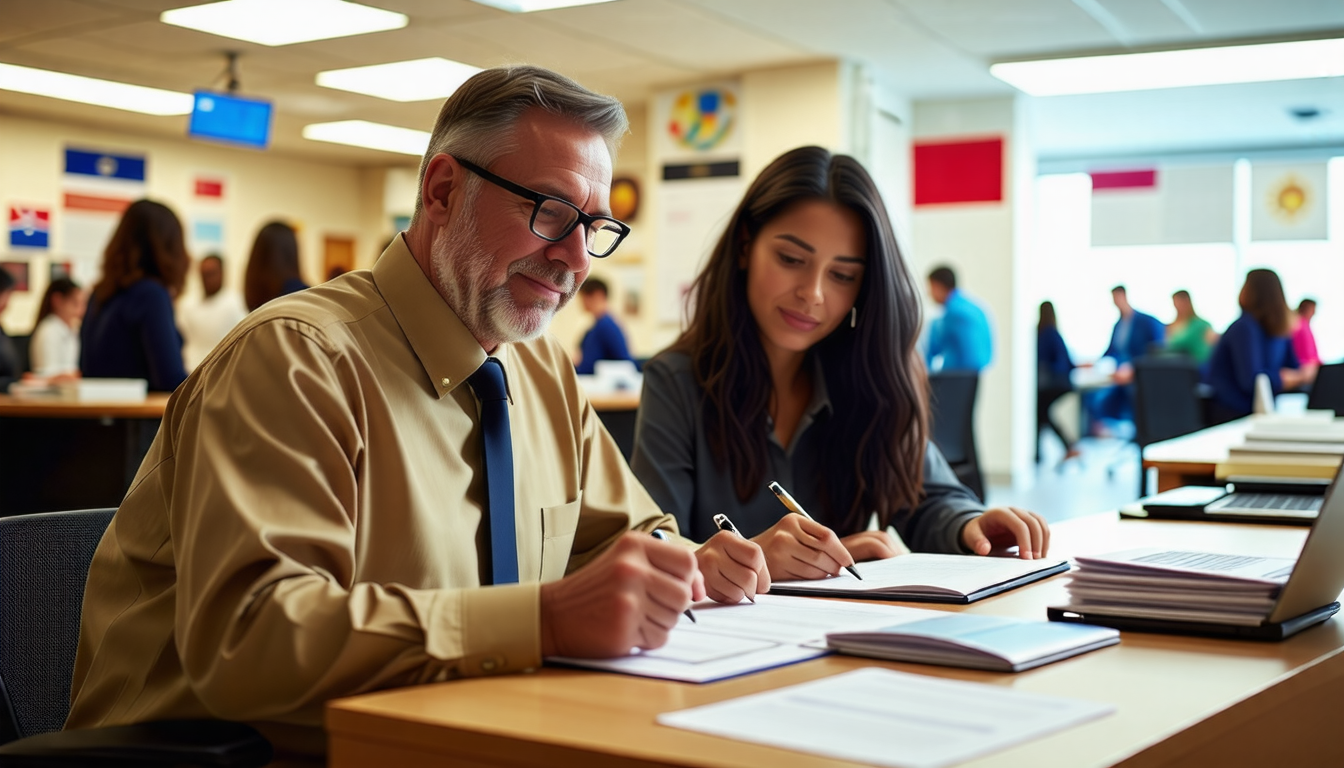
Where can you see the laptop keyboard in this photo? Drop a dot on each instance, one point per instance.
(1287, 504)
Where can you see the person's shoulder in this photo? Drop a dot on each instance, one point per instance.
(669, 363)
(322, 311)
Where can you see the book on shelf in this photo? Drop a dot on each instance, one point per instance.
(995, 643)
(923, 577)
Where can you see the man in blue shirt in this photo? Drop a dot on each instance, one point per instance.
(604, 341)
(1135, 335)
(960, 340)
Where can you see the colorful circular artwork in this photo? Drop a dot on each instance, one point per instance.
(703, 119)
(624, 198)
(1289, 199)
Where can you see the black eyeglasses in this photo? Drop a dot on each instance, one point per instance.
(553, 219)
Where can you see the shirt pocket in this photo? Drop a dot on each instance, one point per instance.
(558, 526)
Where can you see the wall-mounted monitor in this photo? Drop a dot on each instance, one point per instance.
(232, 119)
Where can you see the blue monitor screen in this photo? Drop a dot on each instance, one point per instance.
(224, 117)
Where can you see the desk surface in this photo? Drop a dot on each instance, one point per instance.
(1207, 446)
(1179, 700)
(625, 400)
(151, 407)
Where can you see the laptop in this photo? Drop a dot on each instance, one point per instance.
(1285, 501)
(1308, 598)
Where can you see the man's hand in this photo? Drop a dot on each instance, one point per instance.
(629, 597)
(1002, 527)
(870, 545)
(733, 568)
(798, 548)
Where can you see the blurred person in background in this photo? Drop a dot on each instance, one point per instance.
(605, 340)
(130, 329)
(54, 349)
(207, 321)
(1053, 366)
(1189, 334)
(1304, 341)
(273, 266)
(1259, 341)
(1111, 410)
(960, 340)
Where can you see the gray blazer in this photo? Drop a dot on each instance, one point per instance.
(673, 460)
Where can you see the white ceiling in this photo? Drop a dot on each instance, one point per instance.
(922, 49)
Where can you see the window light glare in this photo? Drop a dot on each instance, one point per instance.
(415, 80)
(284, 22)
(91, 90)
(362, 133)
(528, 6)
(1175, 69)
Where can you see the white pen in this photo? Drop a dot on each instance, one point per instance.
(793, 506)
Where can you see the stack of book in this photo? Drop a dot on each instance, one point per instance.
(1308, 445)
(1179, 586)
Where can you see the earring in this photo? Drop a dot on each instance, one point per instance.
(853, 317)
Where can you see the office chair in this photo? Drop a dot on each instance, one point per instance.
(1166, 402)
(1327, 392)
(952, 413)
(44, 563)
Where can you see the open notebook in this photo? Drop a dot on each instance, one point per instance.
(927, 578)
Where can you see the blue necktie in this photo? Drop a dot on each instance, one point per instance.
(488, 384)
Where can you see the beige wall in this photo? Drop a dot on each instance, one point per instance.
(321, 199)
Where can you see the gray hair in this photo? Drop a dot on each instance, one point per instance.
(477, 122)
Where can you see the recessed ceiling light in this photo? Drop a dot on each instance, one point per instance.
(1175, 69)
(91, 90)
(528, 6)
(362, 133)
(417, 80)
(282, 22)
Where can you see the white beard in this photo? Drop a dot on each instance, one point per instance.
(461, 263)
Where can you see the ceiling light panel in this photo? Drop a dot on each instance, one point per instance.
(91, 90)
(1175, 69)
(284, 22)
(528, 6)
(416, 80)
(362, 133)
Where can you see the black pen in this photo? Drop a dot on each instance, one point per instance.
(661, 535)
(724, 524)
(793, 506)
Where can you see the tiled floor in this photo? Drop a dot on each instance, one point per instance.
(1103, 478)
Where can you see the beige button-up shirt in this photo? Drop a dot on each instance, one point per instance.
(307, 524)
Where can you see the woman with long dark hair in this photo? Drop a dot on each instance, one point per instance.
(273, 266)
(1053, 381)
(1259, 341)
(54, 348)
(799, 366)
(129, 329)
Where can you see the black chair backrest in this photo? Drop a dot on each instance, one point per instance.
(952, 413)
(44, 562)
(1166, 398)
(1328, 390)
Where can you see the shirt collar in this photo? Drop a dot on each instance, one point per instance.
(445, 348)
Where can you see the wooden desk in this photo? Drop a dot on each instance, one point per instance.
(1180, 700)
(624, 400)
(1191, 459)
(58, 454)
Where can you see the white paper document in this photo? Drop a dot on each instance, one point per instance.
(940, 578)
(730, 640)
(888, 718)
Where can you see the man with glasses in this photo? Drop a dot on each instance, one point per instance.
(334, 486)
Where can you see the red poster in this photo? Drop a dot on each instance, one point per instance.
(959, 171)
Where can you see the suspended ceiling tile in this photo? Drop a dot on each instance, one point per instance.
(1256, 18)
(415, 42)
(564, 49)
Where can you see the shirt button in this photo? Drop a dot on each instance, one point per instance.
(445, 382)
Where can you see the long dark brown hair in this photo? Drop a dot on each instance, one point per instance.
(147, 244)
(1262, 298)
(61, 286)
(1047, 316)
(873, 446)
(274, 260)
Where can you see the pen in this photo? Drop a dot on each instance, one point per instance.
(662, 536)
(793, 506)
(724, 524)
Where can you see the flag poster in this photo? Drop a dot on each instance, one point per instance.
(1288, 201)
(1162, 206)
(29, 227)
(96, 187)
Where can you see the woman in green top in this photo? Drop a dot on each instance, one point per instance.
(1189, 334)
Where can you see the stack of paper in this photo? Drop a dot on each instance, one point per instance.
(928, 578)
(1155, 583)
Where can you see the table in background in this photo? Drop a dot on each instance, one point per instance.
(59, 454)
(1179, 700)
(1192, 459)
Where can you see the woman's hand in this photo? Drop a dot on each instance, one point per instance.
(1002, 527)
(733, 568)
(871, 545)
(798, 548)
